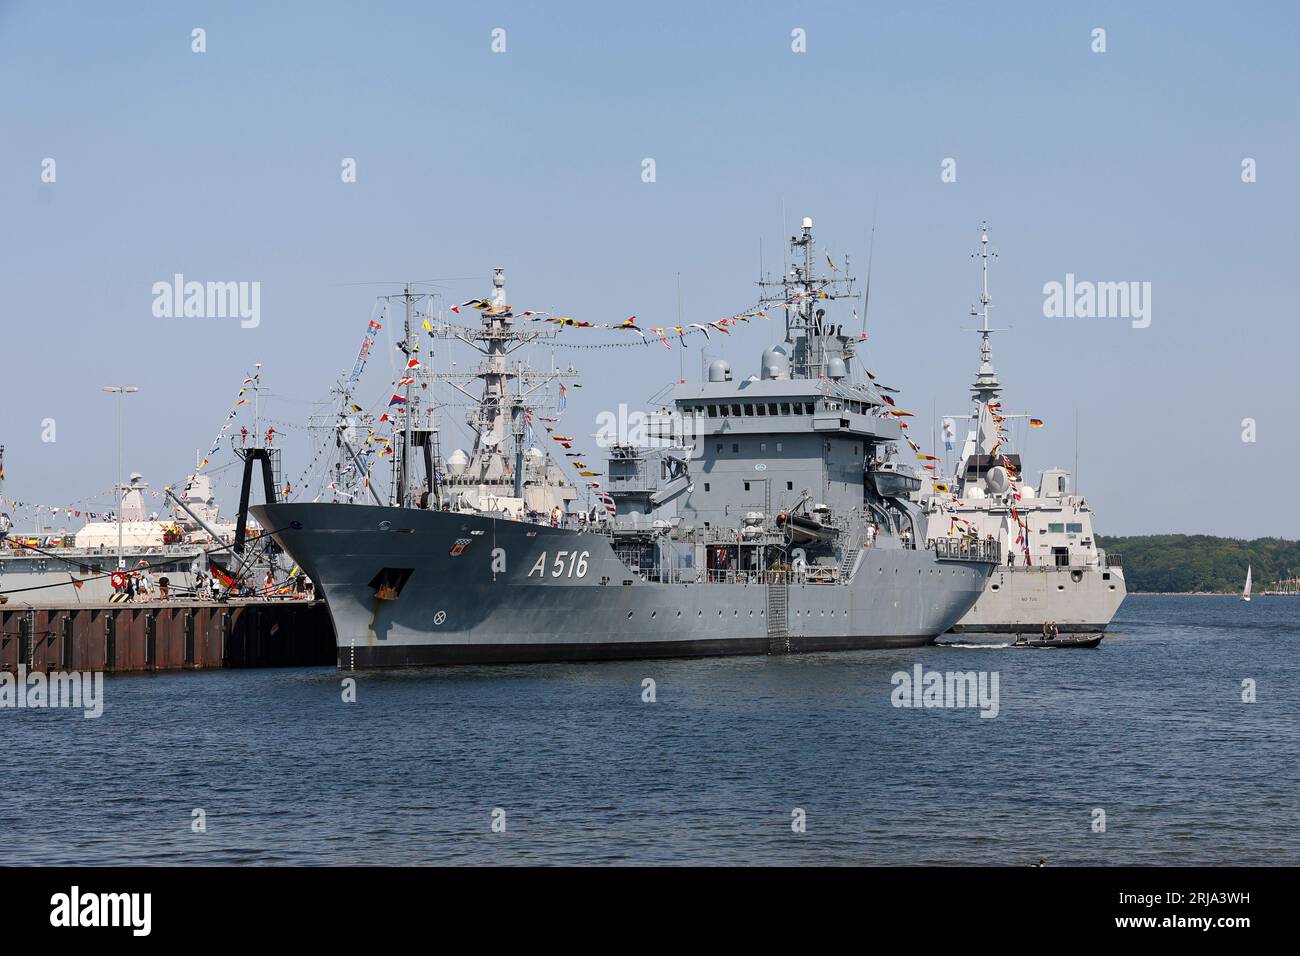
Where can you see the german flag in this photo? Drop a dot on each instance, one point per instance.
(225, 579)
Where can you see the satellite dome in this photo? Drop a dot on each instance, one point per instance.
(836, 368)
(996, 480)
(775, 363)
(458, 462)
(719, 371)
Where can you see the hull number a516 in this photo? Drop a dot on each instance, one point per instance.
(565, 564)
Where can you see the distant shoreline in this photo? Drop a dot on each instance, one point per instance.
(1235, 594)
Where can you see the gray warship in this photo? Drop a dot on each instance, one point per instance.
(1055, 571)
(761, 515)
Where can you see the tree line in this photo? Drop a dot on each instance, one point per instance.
(1199, 562)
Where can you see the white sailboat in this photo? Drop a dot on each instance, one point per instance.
(1245, 594)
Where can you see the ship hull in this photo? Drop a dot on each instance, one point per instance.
(517, 592)
(1021, 600)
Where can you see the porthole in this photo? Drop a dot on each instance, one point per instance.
(653, 615)
(629, 615)
(1060, 587)
(994, 587)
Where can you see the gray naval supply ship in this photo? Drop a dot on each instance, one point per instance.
(764, 514)
(1054, 571)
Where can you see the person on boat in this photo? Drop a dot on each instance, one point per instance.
(164, 588)
(268, 586)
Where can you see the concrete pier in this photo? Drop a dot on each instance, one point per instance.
(161, 636)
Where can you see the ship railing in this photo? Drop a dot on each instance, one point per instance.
(967, 549)
(1111, 560)
(1076, 558)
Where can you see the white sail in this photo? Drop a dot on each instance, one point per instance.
(1245, 594)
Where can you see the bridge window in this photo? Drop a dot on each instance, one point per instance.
(1074, 528)
(719, 448)
(771, 408)
(761, 409)
(706, 486)
(785, 408)
(749, 409)
(789, 486)
(1056, 528)
(735, 448)
(713, 411)
(735, 410)
(746, 486)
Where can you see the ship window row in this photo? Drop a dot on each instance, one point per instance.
(741, 409)
(735, 447)
(1071, 527)
(789, 486)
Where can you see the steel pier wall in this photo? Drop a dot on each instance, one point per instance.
(162, 637)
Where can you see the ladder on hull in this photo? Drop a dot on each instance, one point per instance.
(853, 548)
(778, 632)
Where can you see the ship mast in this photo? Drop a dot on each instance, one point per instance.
(815, 341)
(498, 411)
(986, 387)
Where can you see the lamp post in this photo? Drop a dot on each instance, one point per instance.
(121, 391)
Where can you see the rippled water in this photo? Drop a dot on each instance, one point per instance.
(1150, 728)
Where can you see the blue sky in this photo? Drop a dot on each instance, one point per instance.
(1115, 166)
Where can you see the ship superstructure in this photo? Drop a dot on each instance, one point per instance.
(764, 515)
(1053, 569)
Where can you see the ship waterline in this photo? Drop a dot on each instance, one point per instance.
(561, 594)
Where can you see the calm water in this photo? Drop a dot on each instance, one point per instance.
(1150, 727)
